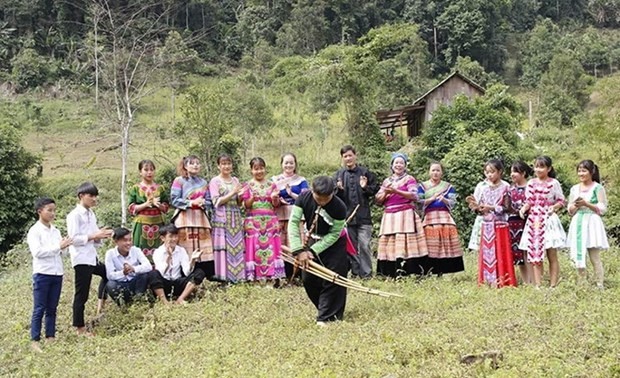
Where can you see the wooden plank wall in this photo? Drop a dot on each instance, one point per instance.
(446, 93)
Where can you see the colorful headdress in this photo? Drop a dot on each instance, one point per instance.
(401, 155)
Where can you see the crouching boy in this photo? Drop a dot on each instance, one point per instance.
(174, 273)
(127, 269)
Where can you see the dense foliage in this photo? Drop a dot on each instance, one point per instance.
(225, 31)
(18, 186)
(464, 136)
(283, 70)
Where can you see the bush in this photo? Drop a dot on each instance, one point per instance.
(496, 110)
(464, 167)
(29, 69)
(18, 187)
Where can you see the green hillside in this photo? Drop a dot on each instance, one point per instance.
(265, 77)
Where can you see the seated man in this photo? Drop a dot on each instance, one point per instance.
(126, 268)
(174, 272)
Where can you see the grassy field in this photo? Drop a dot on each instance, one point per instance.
(77, 144)
(251, 331)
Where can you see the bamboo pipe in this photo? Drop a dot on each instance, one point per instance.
(329, 275)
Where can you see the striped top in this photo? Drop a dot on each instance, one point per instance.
(427, 190)
(186, 189)
(261, 191)
(297, 184)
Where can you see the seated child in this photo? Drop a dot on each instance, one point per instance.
(127, 269)
(174, 273)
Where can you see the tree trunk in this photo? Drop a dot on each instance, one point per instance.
(95, 30)
(172, 106)
(125, 127)
(124, 155)
(187, 15)
(202, 11)
(435, 39)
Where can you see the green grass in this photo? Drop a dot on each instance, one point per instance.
(76, 145)
(250, 331)
(255, 332)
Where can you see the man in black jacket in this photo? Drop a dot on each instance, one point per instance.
(325, 216)
(356, 185)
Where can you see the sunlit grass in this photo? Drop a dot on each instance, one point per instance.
(252, 331)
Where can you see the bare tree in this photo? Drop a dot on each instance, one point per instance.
(128, 37)
(128, 61)
(96, 13)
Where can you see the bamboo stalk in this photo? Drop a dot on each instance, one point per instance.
(329, 275)
(352, 215)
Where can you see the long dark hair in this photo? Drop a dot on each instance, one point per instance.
(257, 160)
(497, 164)
(522, 167)
(181, 170)
(224, 157)
(590, 167)
(545, 161)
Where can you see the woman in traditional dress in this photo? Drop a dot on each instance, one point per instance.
(474, 238)
(438, 197)
(290, 186)
(519, 173)
(191, 198)
(543, 232)
(148, 203)
(587, 202)
(262, 231)
(402, 244)
(227, 223)
(495, 266)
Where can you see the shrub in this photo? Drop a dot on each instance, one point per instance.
(29, 69)
(464, 167)
(18, 187)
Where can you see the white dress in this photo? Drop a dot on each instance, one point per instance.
(586, 228)
(543, 229)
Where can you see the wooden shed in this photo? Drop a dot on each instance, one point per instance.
(407, 121)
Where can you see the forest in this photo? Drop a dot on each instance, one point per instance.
(235, 70)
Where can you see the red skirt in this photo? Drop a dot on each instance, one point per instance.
(495, 264)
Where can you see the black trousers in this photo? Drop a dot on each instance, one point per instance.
(174, 288)
(83, 278)
(202, 270)
(289, 270)
(328, 298)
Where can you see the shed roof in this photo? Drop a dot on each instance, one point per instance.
(453, 74)
(388, 118)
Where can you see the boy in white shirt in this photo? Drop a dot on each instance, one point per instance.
(82, 228)
(126, 267)
(173, 268)
(46, 246)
